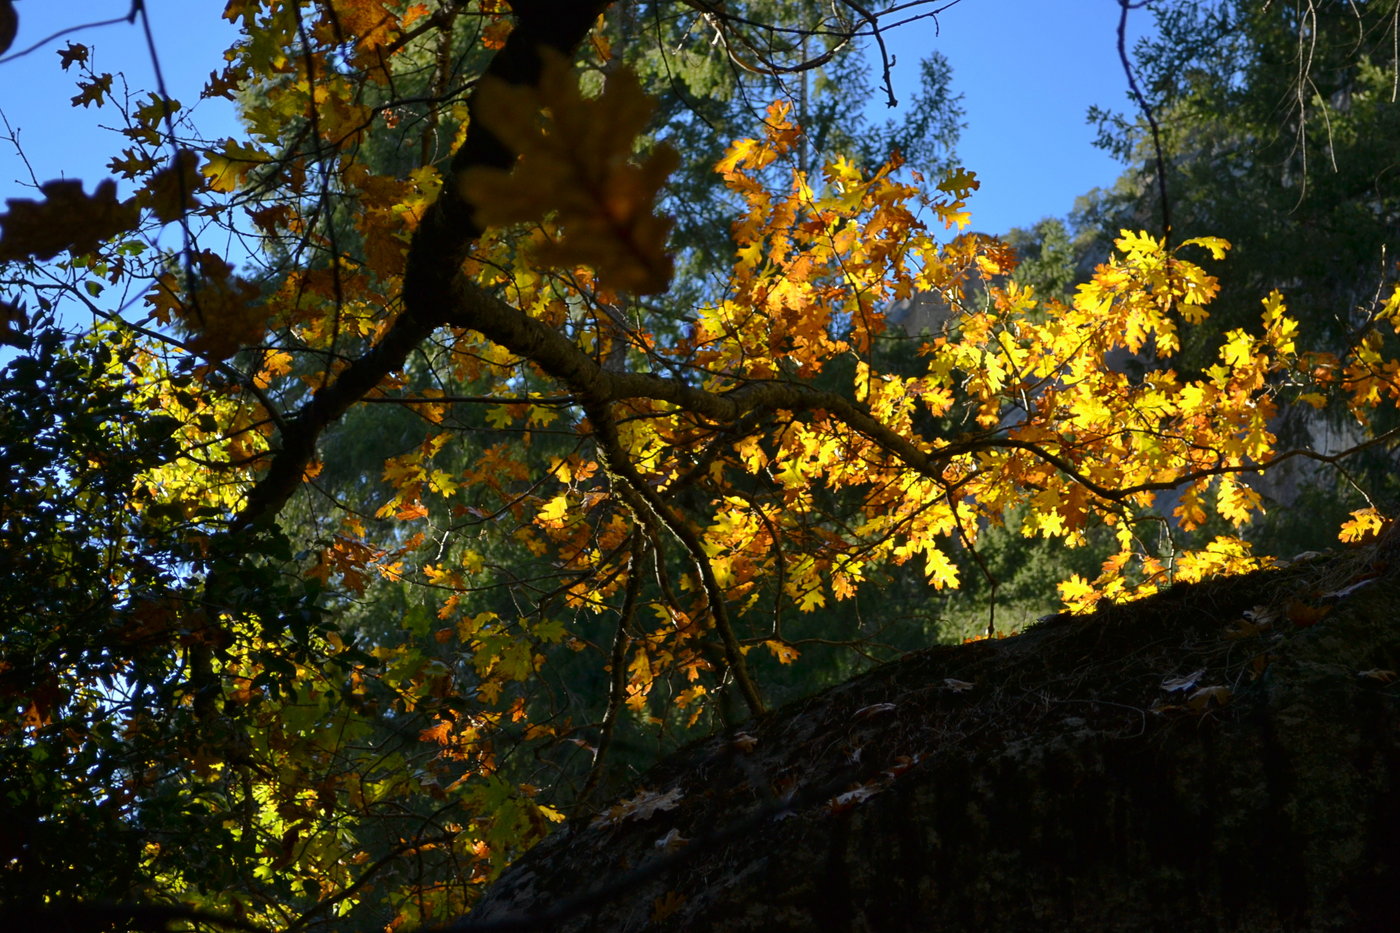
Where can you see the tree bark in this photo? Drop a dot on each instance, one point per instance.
(1213, 758)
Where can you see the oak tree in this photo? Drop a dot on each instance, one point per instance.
(423, 484)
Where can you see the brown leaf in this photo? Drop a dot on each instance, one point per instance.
(1244, 628)
(368, 20)
(66, 219)
(1302, 615)
(576, 163)
(1186, 682)
(223, 84)
(10, 316)
(662, 907)
(170, 192)
(94, 91)
(222, 313)
(44, 700)
(643, 806)
(1206, 697)
(74, 53)
(672, 841)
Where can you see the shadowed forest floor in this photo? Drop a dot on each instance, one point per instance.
(1222, 756)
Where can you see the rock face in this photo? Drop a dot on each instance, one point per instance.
(1223, 756)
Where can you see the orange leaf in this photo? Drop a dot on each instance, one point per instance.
(410, 512)
(439, 733)
(662, 907)
(1302, 615)
(784, 652)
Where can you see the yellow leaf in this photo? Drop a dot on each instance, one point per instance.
(1137, 245)
(939, 569)
(553, 511)
(1236, 501)
(959, 183)
(1190, 511)
(1238, 350)
(1364, 524)
(1217, 245)
(784, 652)
(499, 416)
(227, 167)
(1077, 593)
(277, 363)
(751, 255)
(740, 151)
(1315, 399)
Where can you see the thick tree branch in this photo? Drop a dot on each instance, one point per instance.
(560, 358)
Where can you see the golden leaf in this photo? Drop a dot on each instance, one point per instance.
(664, 906)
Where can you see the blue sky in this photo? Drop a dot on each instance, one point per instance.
(1029, 70)
(62, 141)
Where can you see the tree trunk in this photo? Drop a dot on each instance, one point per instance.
(1222, 756)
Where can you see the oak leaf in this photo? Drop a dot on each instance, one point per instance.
(94, 91)
(1364, 525)
(67, 219)
(575, 162)
(643, 806)
(73, 53)
(369, 20)
(170, 192)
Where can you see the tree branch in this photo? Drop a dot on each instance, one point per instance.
(617, 676)
(614, 459)
(434, 257)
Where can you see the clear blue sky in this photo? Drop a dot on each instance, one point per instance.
(35, 93)
(1029, 70)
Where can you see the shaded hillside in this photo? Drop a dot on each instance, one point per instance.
(1223, 756)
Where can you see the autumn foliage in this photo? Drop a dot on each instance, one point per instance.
(596, 509)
